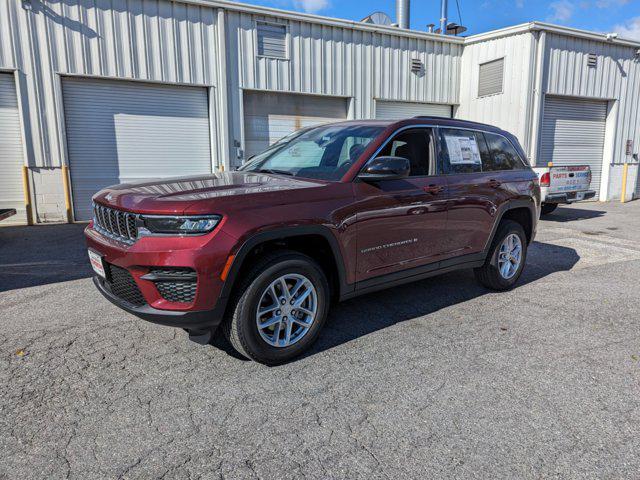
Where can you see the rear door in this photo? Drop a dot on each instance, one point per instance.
(401, 223)
(484, 171)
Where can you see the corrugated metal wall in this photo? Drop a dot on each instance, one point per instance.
(508, 110)
(331, 60)
(153, 40)
(616, 77)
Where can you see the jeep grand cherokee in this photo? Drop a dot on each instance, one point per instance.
(326, 214)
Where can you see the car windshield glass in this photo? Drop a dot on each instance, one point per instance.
(324, 152)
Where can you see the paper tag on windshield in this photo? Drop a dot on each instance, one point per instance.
(463, 150)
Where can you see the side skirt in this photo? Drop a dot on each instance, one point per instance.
(418, 273)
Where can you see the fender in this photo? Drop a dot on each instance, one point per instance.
(281, 234)
(503, 209)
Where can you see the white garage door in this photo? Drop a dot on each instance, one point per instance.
(11, 153)
(396, 110)
(573, 134)
(270, 116)
(120, 132)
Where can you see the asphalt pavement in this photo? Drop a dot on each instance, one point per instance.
(437, 379)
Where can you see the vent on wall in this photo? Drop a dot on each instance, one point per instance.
(417, 66)
(272, 40)
(592, 60)
(491, 77)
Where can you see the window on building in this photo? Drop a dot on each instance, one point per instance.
(503, 155)
(491, 78)
(272, 40)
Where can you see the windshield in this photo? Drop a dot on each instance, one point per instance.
(324, 152)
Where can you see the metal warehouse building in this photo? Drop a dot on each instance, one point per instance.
(97, 92)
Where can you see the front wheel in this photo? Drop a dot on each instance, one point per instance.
(280, 309)
(506, 258)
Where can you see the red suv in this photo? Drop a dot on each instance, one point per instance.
(325, 214)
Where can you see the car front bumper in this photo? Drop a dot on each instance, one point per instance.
(198, 320)
(205, 256)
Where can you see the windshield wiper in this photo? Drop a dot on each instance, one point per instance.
(271, 170)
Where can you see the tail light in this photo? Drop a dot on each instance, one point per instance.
(545, 179)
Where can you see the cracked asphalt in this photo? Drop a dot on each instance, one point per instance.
(437, 379)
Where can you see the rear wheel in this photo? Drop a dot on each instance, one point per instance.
(281, 306)
(506, 258)
(547, 208)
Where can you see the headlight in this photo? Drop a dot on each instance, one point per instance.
(181, 225)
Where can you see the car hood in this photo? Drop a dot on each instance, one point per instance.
(191, 194)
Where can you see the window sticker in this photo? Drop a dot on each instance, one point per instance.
(463, 150)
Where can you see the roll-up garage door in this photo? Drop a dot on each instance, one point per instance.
(119, 132)
(396, 110)
(11, 153)
(270, 116)
(573, 134)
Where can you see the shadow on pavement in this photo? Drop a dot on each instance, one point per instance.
(370, 313)
(572, 214)
(42, 254)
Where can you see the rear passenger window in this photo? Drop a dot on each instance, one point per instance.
(503, 155)
(464, 151)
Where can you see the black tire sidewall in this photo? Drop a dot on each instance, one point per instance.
(248, 333)
(507, 229)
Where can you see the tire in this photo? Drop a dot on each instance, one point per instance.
(547, 208)
(240, 326)
(489, 274)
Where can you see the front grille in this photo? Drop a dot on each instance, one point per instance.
(175, 284)
(115, 223)
(123, 286)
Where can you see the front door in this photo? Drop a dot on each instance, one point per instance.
(401, 223)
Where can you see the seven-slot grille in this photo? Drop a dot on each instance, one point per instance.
(115, 223)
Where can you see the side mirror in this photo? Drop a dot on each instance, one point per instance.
(385, 168)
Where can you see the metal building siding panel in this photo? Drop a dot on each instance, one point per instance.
(331, 60)
(573, 133)
(507, 110)
(11, 151)
(616, 77)
(398, 110)
(154, 40)
(271, 116)
(119, 131)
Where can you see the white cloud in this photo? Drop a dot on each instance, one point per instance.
(561, 11)
(630, 30)
(311, 6)
(520, 3)
(610, 3)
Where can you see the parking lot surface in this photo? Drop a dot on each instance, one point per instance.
(440, 378)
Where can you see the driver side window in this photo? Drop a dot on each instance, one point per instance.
(414, 145)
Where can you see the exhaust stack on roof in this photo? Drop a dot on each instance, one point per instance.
(402, 13)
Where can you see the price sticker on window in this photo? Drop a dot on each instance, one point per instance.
(463, 150)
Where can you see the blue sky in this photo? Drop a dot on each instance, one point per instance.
(622, 16)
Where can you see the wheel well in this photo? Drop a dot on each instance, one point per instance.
(314, 246)
(522, 216)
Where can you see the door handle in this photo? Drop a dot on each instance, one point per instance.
(433, 189)
(493, 183)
